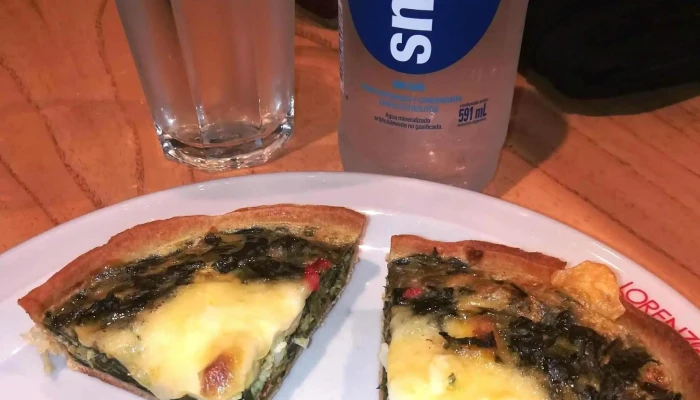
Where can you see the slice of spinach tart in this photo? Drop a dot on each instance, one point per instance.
(199, 307)
(476, 320)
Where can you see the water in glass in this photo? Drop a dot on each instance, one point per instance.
(218, 76)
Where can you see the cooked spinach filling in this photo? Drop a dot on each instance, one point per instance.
(577, 359)
(574, 361)
(119, 293)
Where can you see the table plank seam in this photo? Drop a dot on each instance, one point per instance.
(614, 219)
(643, 178)
(641, 139)
(29, 192)
(674, 127)
(77, 178)
(101, 52)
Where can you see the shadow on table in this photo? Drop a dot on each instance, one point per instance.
(536, 130)
(636, 103)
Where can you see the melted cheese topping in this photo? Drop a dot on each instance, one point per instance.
(419, 368)
(167, 349)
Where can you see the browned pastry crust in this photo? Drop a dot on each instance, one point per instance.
(333, 225)
(501, 262)
(680, 362)
(678, 359)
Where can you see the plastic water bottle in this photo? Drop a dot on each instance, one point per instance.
(427, 86)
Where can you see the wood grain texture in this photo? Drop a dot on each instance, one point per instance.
(77, 135)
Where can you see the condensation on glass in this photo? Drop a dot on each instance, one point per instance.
(218, 76)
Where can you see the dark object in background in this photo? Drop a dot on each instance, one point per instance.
(326, 9)
(324, 12)
(602, 48)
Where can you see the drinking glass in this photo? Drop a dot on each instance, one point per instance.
(218, 76)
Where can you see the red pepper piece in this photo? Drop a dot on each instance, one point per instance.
(320, 265)
(312, 272)
(312, 278)
(412, 292)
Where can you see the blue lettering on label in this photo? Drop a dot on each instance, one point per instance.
(411, 86)
(421, 36)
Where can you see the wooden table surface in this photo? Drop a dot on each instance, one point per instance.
(76, 135)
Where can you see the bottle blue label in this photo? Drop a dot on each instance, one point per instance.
(421, 36)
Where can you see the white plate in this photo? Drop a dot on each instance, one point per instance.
(342, 362)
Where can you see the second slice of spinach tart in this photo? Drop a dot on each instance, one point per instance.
(477, 320)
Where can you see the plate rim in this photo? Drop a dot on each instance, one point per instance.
(333, 175)
(309, 175)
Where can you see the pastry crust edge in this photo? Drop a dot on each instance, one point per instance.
(333, 225)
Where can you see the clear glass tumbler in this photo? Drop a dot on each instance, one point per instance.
(218, 76)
